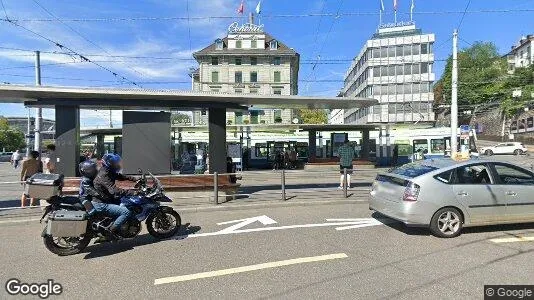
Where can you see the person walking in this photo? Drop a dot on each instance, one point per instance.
(50, 161)
(15, 159)
(32, 165)
(346, 155)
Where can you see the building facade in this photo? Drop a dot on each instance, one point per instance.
(248, 61)
(521, 54)
(21, 124)
(395, 67)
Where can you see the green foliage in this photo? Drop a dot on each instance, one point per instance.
(180, 118)
(10, 139)
(312, 116)
(483, 78)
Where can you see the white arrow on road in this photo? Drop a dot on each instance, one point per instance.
(244, 222)
(342, 224)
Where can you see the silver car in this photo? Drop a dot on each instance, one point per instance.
(446, 195)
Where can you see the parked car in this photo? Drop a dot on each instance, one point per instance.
(5, 156)
(505, 148)
(445, 195)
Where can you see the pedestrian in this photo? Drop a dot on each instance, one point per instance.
(346, 155)
(395, 155)
(50, 161)
(32, 165)
(15, 159)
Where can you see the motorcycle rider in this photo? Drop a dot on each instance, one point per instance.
(88, 170)
(109, 194)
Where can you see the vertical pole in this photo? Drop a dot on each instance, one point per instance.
(345, 193)
(454, 92)
(215, 188)
(28, 132)
(110, 118)
(283, 185)
(39, 112)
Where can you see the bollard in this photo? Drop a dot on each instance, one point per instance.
(283, 185)
(345, 194)
(215, 188)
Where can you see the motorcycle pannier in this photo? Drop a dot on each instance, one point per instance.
(44, 186)
(66, 223)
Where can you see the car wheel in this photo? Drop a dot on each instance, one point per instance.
(488, 152)
(517, 152)
(447, 223)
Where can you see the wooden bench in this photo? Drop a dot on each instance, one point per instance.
(169, 183)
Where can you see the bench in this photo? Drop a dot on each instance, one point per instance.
(170, 184)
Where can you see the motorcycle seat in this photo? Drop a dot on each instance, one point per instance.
(70, 201)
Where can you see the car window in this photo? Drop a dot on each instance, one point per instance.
(513, 175)
(413, 170)
(472, 174)
(445, 177)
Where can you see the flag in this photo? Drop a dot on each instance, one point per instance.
(258, 8)
(382, 8)
(395, 5)
(241, 8)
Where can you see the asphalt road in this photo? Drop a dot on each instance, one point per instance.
(309, 261)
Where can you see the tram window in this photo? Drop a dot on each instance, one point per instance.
(420, 146)
(261, 150)
(437, 145)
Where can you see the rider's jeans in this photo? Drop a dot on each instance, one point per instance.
(122, 213)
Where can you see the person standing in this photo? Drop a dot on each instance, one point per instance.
(15, 159)
(30, 166)
(50, 161)
(346, 155)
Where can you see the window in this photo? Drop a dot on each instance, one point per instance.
(424, 87)
(254, 117)
(253, 91)
(238, 44)
(391, 89)
(253, 44)
(400, 70)
(278, 116)
(238, 76)
(445, 177)
(276, 61)
(214, 76)
(424, 48)
(391, 51)
(416, 69)
(253, 61)
(415, 49)
(416, 88)
(376, 53)
(437, 145)
(214, 61)
(399, 50)
(253, 76)
(474, 174)
(238, 61)
(407, 50)
(277, 92)
(276, 76)
(239, 117)
(273, 45)
(218, 44)
(412, 170)
(408, 69)
(512, 175)
(238, 91)
(424, 68)
(384, 52)
(383, 71)
(391, 71)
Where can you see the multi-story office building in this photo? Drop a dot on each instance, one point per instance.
(395, 67)
(248, 61)
(521, 54)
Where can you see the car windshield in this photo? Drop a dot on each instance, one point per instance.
(413, 170)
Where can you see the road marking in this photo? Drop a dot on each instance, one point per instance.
(244, 222)
(269, 265)
(514, 239)
(19, 221)
(342, 225)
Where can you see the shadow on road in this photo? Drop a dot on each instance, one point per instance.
(106, 249)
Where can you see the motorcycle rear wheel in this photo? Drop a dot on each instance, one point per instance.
(54, 246)
(154, 223)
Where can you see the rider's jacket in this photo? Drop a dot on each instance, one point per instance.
(108, 191)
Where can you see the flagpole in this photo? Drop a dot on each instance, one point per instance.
(395, 16)
(380, 17)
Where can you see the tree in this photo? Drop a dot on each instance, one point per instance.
(180, 118)
(312, 116)
(10, 139)
(522, 80)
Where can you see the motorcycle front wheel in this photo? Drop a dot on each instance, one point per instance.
(64, 246)
(163, 224)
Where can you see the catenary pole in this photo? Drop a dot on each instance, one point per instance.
(39, 111)
(454, 94)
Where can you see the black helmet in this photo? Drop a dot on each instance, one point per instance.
(88, 169)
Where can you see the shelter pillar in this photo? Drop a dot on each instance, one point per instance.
(100, 147)
(388, 144)
(217, 140)
(312, 142)
(365, 144)
(67, 140)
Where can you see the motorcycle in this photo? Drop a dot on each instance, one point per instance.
(69, 229)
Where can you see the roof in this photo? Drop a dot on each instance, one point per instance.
(520, 44)
(283, 49)
(99, 98)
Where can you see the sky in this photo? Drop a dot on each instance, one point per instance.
(150, 42)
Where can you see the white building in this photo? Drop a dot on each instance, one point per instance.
(521, 54)
(395, 67)
(248, 61)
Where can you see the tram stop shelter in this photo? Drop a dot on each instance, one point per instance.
(146, 121)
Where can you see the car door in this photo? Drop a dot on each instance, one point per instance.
(510, 148)
(517, 187)
(500, 148)
(473, 187)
